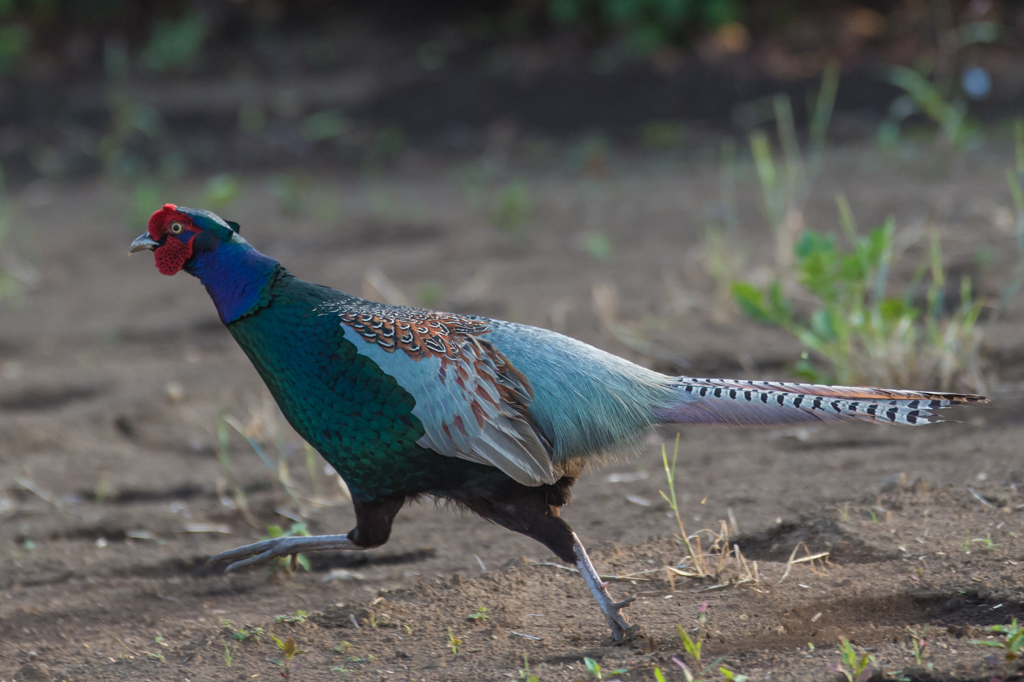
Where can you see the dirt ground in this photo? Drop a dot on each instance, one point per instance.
(112, 495)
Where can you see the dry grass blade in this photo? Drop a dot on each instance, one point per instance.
(793, 561)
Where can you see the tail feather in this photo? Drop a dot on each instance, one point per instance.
(768, 403)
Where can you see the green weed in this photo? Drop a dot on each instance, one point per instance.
(453, 642)
(296, 530)
(700, 569)
(479, 615)
(1010, 638)
(241, 634)
(866, 337)
(595, 669)
(290, 651)
(785, 186)
(986, 542)
(918, 642)
(229, 652)
(299, 616)
(524, 672)
(694, 646)
(855, 668)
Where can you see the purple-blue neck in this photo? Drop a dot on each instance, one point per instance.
(236, 276)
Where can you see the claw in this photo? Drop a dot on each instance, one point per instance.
(262, 552)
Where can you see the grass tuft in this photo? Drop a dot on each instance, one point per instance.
(858, 333)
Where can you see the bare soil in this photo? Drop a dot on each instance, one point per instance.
(112, 496)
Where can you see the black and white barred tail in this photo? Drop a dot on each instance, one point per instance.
(767, 403)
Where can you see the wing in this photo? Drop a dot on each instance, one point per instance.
(472, 402)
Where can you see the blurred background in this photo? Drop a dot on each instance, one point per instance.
(169, 89)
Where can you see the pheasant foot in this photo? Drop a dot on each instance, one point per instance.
(262, 552)
(609, 608)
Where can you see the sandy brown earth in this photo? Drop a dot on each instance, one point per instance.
(112, 495)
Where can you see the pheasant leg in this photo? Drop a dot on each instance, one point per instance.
(610, 609)
(262, 552)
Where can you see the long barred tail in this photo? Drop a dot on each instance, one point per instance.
(768, 403)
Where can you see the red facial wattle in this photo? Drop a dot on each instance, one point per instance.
(171, 257)
(176, 248)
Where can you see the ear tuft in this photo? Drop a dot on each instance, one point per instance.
(234, 226)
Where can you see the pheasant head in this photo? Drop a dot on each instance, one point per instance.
(210, 248)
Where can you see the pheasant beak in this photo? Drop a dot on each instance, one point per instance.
(142, 243)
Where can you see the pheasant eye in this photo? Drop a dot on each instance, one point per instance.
(176, 228)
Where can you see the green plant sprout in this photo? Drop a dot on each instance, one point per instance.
(1011, 640)
(595, 669)
(289, 563)
(453, 643)
(241, 634)
(918, 642)
(290, 651)
(694, 645)
(699, 568)
(229, 652)
(298, 617)
(866, 337)
(855, 668)
(479, 615)
(733, 676)
(525, 674)
(986, 542)
(342, 647)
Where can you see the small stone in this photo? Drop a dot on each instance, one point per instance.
(33, 672)
(896, 482)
